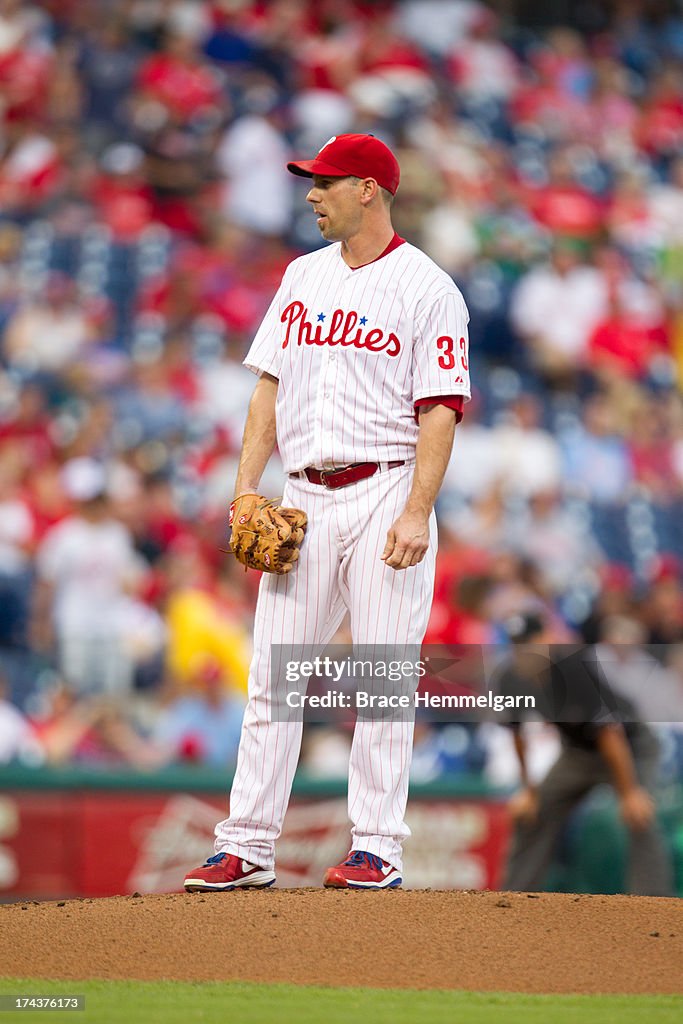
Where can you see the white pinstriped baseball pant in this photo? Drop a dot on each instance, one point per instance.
(339, 569)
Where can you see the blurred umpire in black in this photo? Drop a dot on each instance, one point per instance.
(603, 740)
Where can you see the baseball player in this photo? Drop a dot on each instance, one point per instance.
(362, 361)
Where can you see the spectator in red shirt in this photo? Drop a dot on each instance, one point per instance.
(180, 79)
(46, 498)
(625, 345)
(29, 424)
(546, 103)
(122, 198)
(392, 71)
(660, 132)
(563, 205)
(31, 167)
(652, 451)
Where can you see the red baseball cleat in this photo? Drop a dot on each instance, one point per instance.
(362, 870)
(225, 872)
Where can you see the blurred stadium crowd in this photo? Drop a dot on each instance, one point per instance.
(145, 220)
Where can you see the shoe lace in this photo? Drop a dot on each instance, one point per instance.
(216, 859)
(359, 858)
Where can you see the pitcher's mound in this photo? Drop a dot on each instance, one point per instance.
(485, 941)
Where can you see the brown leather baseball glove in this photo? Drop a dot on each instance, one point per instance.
(264, 535)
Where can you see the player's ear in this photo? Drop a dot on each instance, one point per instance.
(369, 190)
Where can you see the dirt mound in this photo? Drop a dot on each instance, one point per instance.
(413, 939)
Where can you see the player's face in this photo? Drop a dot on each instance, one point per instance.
(337, 206)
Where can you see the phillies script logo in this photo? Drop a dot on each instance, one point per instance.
(341, 331)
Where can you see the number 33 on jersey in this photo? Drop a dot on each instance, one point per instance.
(447, 360)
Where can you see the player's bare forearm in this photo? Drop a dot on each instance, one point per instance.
(524, 804)
(259, 438)
(616, 752)
(434, 445)
(408, 538)
(635, 804)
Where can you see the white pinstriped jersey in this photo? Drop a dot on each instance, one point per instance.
(355, 349)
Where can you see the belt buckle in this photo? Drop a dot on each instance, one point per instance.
(325, 473)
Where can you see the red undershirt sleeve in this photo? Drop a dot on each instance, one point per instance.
(455, 402)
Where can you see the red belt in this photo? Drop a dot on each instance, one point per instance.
(334, 478)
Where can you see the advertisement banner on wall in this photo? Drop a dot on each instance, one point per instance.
(102, 844)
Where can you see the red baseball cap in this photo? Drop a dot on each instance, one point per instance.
(362, 156)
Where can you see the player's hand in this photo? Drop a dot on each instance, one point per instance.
(407, 541)
(523, 807)
(637, 808)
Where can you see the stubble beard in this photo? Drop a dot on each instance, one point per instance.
(327, 231)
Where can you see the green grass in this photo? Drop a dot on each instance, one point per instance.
(111, 1002)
